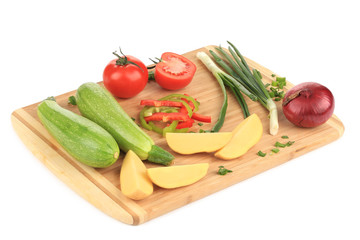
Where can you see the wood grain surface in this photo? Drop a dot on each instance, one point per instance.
(101, 187)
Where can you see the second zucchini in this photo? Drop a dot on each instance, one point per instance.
(98, 105)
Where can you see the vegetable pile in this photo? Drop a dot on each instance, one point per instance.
(96, 137)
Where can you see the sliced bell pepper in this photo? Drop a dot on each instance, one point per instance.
(174, 96)
(201, 118)
(143, 121)
(170, 128)
(159, 103)
(156, 128)
(186, 124)
(150, 110)
(166, 117)
(182, 130)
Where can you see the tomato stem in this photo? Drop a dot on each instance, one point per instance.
(122, 61)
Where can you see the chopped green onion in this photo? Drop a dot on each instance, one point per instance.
(284, 137)
(275, 150)
(278, 144)
(282, 145)
(200, 124)
(72, 100)
(261, 154)
(289, 143)
(223, 171)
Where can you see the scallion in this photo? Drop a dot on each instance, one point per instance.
(223, 78)
(275, 150)
(238, 73)
(261, 154)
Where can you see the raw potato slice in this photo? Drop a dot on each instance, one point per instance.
(189, 143)
(177, 176)
(245, 135)
(134, 181)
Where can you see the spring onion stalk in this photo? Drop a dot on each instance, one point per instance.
(216, 72)
(225, 79)
(235, 65)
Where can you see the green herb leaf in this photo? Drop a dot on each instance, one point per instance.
(223, 171)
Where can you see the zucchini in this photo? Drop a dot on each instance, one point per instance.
(99, 105)
(83, 139)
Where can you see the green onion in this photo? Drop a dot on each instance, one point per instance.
(278, 144)
(72, 100)
(261, 154)
(282, 145)
(223, 171)
(275, 150)
(284, 137)
(218, 73)
(248, 82)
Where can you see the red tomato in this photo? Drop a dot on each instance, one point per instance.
(125, 79)
(174, 71)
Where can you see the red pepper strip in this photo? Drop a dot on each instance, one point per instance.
(196, 116)
(201, 118)
(157, 103)
(186, 124)
(166, 117)
(191, 104)
(183, 110)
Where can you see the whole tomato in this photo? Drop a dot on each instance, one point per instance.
(125, 76)
(174, 71)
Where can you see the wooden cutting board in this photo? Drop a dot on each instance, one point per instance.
(101, 187)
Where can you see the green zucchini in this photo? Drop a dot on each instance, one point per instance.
(98, 105)
(83, 139)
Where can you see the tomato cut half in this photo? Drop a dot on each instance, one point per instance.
(174, 71)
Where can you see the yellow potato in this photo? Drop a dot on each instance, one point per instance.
(134, 181)
(177, 176)
(189, 143)
(245, 136)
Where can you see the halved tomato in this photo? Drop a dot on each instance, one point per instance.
(174, 71)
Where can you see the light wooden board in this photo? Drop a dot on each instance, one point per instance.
(101, 187)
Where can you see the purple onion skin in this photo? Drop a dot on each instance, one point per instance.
(308, 104)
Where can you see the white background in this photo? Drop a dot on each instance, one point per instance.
(52, 47)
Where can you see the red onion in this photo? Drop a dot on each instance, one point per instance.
(308, 104)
